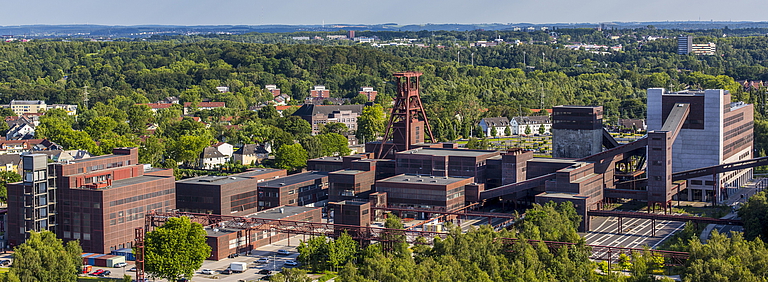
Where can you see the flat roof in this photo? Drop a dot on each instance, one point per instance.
(328, 159)
(553, 160)
(447, 152)
(574, 166)
(562, 195)
(350, 202)
(422, 179)
(135, 180)
(348, 171)
(213, 180)
(294, 179)
(275, 213)
(257, 172)
(216, 232)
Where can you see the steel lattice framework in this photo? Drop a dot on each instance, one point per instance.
(406, 112)
(373, 234)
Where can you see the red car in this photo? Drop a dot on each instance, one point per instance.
(98, 272)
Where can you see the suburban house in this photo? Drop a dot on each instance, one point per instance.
(519, 124)
(10, 162)
(633, 124)
(225, 148)
(20, 131)
(29, 145)
(211, 158)
(251, 154)
(500, 123)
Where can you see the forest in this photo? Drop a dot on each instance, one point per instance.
(117, 75)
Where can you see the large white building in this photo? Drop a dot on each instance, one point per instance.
(717, 131)
(519, 124)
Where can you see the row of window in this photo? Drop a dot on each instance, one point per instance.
(142, 197)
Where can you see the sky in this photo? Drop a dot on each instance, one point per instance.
(316, 12)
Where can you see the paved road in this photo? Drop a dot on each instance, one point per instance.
(635, 233)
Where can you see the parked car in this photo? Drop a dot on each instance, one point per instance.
(283, 252)
(233, 255)
(105, 273)
(262, 260)
(132, 269)
(291, 263)
(5, 262)
(265, 272)
(206, 271)
(98, 272)
(119, 265)
(226, 271)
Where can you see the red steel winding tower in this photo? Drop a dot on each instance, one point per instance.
(408, 122)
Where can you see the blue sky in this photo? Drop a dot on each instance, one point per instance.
(256, 12)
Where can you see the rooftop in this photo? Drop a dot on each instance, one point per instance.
(256, 172)
(328, 159)
(281, 212)
(213, 180)
(422, 179)
(563, 195)
(294, 179)
(216, 232)
(349, 171)
(135, 180)
(448, 152)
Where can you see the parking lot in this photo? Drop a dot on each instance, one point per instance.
(276, 263)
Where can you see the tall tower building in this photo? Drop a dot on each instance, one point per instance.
(716, 131)
(684, 44)
(577, 131)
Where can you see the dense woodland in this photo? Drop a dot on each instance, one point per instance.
(120, 74)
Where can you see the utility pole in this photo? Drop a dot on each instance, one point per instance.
(472, 55)
(458, 59)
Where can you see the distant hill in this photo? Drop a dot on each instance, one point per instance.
(143, 31)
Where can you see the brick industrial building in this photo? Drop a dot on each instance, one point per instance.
(225, 242)
(98, 200)
(226, 195)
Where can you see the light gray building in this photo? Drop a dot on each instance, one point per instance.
(717, 131)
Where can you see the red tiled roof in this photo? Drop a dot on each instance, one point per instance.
(282, 108)
(158, 105)
(206, 104)
(539, 110)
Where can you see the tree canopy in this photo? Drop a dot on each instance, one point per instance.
(176, 249)
(43, 257)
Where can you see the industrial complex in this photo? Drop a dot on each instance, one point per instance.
(698, 145)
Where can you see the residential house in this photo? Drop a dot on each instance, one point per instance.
(251, 154)
(326, 101)
(225, 148)
(21, 131)
(633, 124)
(65, 155)
(211, 158)
(10, 162)
(29, 145)
(499, 123)
(519, 124)
(203, 106)
(322, 114)
(70, 109)
(222, 89)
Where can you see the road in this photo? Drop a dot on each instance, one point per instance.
(635, 233)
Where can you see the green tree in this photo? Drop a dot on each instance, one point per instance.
(176, 249)
(268, 112)
(370, 124)
(507, 131)
(5, 178)
(396, 244)
(494, 131)
(187, 148)
(754, 213)
(360, 99)
(527, 130)
(291, 157)
(334, 127)
(541, 129)
(291, 275)
(342, 251)
(43, 257)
